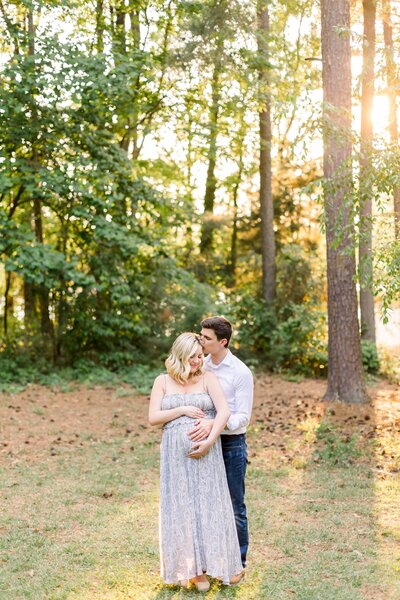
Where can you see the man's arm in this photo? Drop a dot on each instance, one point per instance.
(199, 449)
(240, 416)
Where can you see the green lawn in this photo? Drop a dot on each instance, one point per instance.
(83, 525)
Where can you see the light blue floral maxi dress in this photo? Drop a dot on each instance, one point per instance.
(197, 524)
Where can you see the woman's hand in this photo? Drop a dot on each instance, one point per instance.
(199, 449)
(192, 411)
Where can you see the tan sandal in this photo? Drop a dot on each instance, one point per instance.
(201, 582)
(236, 579)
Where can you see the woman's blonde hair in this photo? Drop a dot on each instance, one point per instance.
(177, 363)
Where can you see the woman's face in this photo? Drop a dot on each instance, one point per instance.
(196, 359)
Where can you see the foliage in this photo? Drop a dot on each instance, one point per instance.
(299, 276)
(85, 238)
(291, 334)
(389, 365)
(370, 358)
(105, 141)
(289, 339)
(16, 373)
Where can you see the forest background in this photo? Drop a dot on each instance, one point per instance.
(161, 161)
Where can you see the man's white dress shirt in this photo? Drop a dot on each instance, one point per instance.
(237, 383)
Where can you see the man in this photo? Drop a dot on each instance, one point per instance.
(237, 383)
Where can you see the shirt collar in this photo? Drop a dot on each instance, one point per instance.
(227, 360)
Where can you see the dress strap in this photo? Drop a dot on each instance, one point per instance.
(165, 383)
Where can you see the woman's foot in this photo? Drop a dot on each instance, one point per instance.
(201, 582)
(185, 583)
(236, 579)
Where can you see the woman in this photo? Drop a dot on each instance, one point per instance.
(197, 529)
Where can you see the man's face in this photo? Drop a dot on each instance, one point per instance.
(209, 341)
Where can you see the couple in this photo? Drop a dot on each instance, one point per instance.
(203, 524)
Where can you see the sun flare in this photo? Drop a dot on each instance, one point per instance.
(380, 115)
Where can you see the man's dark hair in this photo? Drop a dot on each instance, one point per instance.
(221, 327)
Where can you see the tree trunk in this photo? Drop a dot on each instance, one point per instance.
(266, 201)
(234, 237)
(100, 26)
(30, 316)
(365, 245)
(391, 91)
(189, 187)
(345, 371)
(119, 32)
(41, 290)
(6, 303)
(208, 226)
(131, 136)
(61, 307)
(134, 17)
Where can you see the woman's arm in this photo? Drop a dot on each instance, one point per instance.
(158, 416)
(201, 448)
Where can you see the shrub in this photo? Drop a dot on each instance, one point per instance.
(282, 339)
(370, 357)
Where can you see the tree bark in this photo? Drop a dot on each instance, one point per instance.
(345, 371)
(234, 237)
(6, 303)
(189, 187)
(131, 136)
(365, 245)
(266, 200)
(134, 17)
(392, 96)
(30, 316)
(100, 26)
(208, 226)
(119, 32)
(42, 291)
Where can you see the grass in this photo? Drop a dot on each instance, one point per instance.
(83, 524)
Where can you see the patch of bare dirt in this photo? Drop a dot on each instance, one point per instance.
(38, 421)
(283, 407)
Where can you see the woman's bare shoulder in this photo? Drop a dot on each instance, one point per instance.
(160, 379)
(210, 377)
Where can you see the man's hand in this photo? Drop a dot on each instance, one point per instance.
(201, 430)
(199, 449)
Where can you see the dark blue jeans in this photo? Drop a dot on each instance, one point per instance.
(234, 450)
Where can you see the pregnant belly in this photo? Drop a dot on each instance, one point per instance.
(176, 439)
